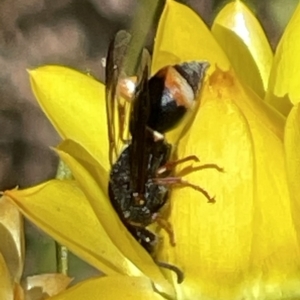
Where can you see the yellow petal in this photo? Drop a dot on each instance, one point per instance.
(53, 206)
(75, 104)
(292, 150)
(285, 73)
(260, 111)
(6, 287)
(93, 167)
(108, 217)
(19, 292)
(51, 284)
(246, 45)
(219, 135)
(234, 248)
(9, 251)
(275, 250)
(112, 287)
(183, 36)
(12, 238)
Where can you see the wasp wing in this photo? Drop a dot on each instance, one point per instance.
(113, 73)
(138, 129)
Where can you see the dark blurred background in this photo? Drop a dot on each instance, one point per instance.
(74, 33)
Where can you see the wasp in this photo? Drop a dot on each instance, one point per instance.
(140, 176)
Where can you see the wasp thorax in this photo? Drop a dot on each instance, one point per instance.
(138, 199)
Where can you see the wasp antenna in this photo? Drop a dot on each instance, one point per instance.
(179, 273)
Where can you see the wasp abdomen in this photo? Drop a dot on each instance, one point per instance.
(173, 90)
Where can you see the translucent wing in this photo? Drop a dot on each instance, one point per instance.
(120, 92)
(114, 106)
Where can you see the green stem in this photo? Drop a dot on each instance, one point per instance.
(142, 23)
(63, 172)
(61, 259)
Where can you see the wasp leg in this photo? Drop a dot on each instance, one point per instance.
(149, 240)
(179, 273)
(163, 223)
(126, 89)
(182, 182)
(145, 237)
(170, 165)
(190, 169)
(122, 116)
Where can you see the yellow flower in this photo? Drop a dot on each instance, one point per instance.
(12, 261)
(283, 89)
(245, 246)
(11, 250)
